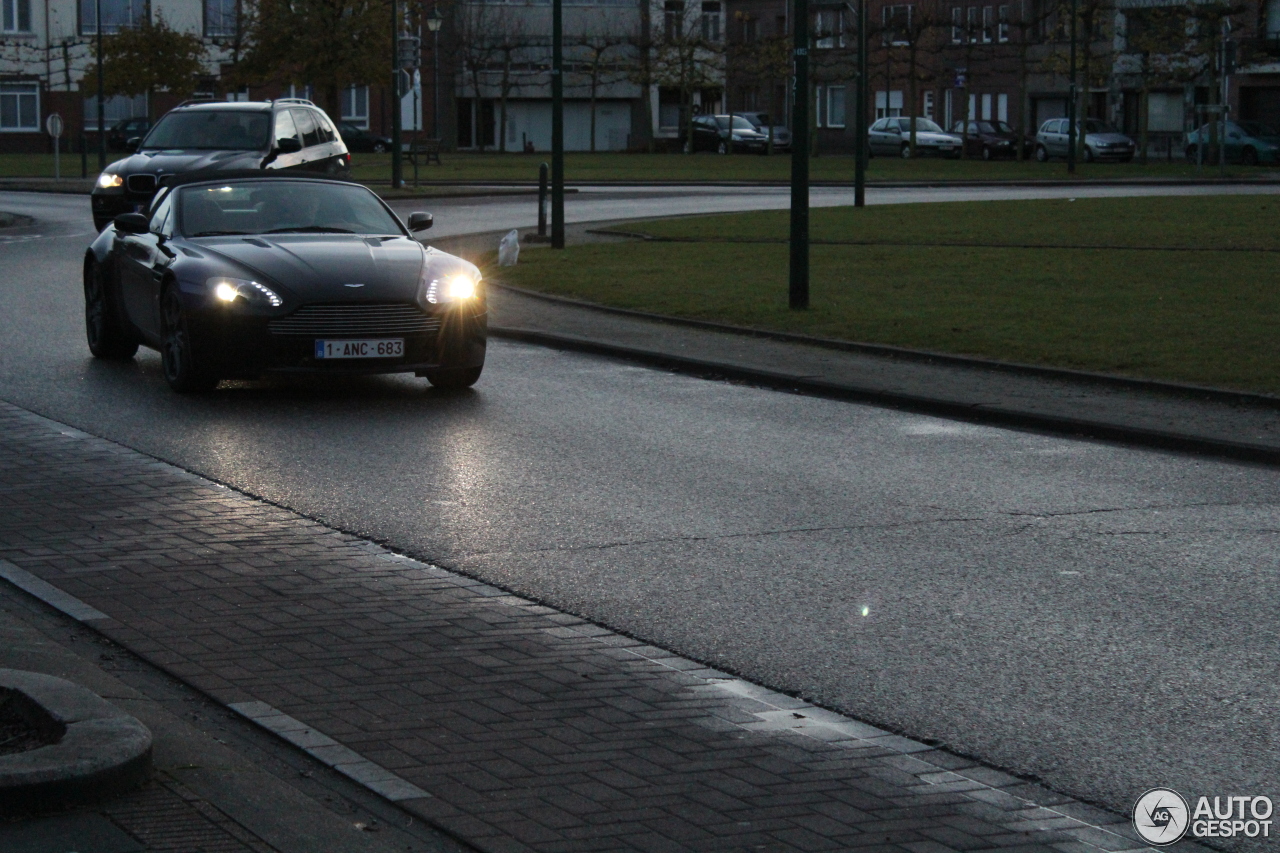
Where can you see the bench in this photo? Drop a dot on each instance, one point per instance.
(425, 150)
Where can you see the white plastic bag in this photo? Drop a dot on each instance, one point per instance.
(509, 249)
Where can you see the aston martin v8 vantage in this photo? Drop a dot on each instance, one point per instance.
(234, 276)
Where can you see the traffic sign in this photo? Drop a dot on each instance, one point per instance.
(409, 51)
(53, 124)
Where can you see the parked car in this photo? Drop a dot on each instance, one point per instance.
(361, 140)
(1101, 141)
(244, 273)
(991, 140)
(289, 133)
(781, 136)
(120, 133)
(892, 137)
(1247, 142)
(711, 133)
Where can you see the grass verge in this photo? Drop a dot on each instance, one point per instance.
(1178, 289)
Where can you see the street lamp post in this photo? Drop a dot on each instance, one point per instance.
(102, 107)
(798, 290)
(434, 21)
(397, 175)
(1071, 89)
(864, 91)
(557, 124)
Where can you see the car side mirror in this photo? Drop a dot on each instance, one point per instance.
(288, 145)
(419, 221)
(132, 223)
(133, 143)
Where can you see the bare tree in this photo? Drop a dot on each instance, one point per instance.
(599, 48)
(688, 56)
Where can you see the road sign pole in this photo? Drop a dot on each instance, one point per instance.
(557, 124)
(102, 107)
(864, 91)
(798, 291)
(397, 173)
(1072, 118)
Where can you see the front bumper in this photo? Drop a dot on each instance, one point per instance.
(238, 344)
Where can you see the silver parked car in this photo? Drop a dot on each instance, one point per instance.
(1101, 141)
(892, 137)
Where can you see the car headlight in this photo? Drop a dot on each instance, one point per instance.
(451, 288)
(107, 181)
(228, 290)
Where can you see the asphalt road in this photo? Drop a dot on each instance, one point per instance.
(1098, 617)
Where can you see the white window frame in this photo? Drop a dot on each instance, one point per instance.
(988, 24)
(1002, 24)
(13, 13)
(221, 32)
(711, 28)
(844, 103)
(957, 24)
(88, 7)
(928, 107)
(973, 13)
(828, 29)
(350, 103)
(890, 14)
(19, 90)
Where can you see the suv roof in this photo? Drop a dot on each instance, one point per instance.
(260, 106)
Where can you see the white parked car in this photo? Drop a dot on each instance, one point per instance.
(892, 137)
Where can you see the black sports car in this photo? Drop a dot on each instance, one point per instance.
(232, 275)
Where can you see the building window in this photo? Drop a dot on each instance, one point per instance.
(1273, 19)
(1002, 107)
(1002, 30)
(957, 24)
(928, 105)
(114, 109)
(19, 106)
(828, 29)
(711, 21)
(897, 24)
(835, 106)
(221, 18)
(17, 16)
(673, 20)
(117, 15)
(304, 92)
(988, 20)
(888, 104)
(355, 105)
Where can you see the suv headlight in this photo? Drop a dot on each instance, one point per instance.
(108, 181)
(228, 290)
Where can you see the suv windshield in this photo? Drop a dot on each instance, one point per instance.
(739, 123)
(277, 207)
(215, 130)
(1095, 126)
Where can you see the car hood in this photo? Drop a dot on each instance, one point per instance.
(932, 136)
(173, 161)
(321, 266)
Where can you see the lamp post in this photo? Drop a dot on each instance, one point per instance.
(860, 144)
(102, 107)
(434, 22)
(798, 290)
(1071, 89)
(397, 175)
(557, 124)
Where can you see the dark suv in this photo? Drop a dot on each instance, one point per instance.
(290, 133)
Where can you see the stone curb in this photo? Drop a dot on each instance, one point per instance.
(103, 751)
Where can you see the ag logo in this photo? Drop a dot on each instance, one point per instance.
(1161, 816)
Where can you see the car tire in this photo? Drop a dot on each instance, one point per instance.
(1249, 157)
(1042, 154)
(181, 369)
(454, 378)
(905, 153)
(986, 153)
(107, 338)
(1190, 154)
(379, 148)
(1088, 154)
(722, 148)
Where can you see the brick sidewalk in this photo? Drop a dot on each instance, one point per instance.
(527, 728)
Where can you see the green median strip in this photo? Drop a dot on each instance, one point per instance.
(1039, 282)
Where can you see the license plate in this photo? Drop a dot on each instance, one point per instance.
(377, 348)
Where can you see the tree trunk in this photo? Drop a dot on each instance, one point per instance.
(595, 85)
(1144, 121)
(502, 104)
(912, 94)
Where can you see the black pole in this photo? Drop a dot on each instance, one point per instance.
(435, 84)
(798, 295)
(1071, 107)
(397, 172)
(860, 124)
(557, 125)
(102, 107)
(542, 200)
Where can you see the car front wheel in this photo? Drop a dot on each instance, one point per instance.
(906, 151)
(1249, 157)
(379, 148)
(454, 378)
(107, 339)
(1042, 154)
(986, 153)
(181, 369)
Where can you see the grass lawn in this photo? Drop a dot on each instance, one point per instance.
(1181, 289)
(699, 167)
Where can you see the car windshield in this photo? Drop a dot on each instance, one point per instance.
(279, 207)
(1095, 126)
(923, 125)
(739, 123)
(1256, 128)
(214, 130)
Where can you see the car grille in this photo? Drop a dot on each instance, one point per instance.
(354, 320)
(142, 183)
